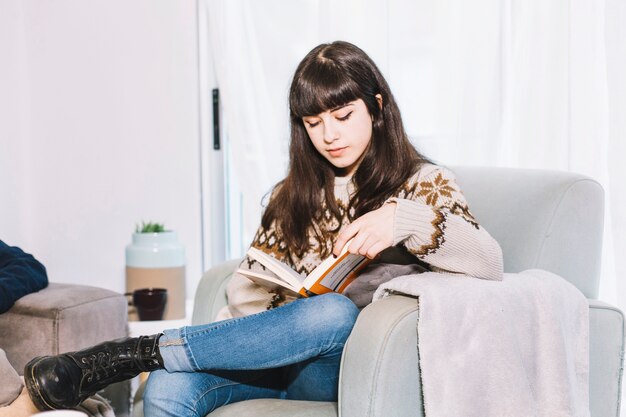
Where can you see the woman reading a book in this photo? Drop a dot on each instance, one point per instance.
(353, 177)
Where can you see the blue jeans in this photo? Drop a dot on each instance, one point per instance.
(290, 352)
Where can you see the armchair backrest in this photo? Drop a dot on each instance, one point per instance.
(542, 219)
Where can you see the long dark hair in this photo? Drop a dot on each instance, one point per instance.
(330, 76)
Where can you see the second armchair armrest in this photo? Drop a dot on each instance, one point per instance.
(61, 318)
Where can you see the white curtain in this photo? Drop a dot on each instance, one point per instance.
(509, 83)
(255, 47)
(615, 35)
(251, 86)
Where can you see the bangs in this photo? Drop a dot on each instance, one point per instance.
(320, 87)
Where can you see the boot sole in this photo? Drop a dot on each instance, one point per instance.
(32, 385)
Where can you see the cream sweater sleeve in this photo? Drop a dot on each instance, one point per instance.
(434, 223)
(244, 298)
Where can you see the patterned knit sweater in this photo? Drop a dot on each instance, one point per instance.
(432, 221)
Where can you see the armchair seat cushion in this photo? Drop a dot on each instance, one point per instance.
(277, 408)
(261, 408)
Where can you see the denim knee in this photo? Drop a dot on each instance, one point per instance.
(335, 314)
(170, 394)
(195, 394)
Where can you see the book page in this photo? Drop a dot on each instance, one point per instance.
(271, 282)
(279, 268)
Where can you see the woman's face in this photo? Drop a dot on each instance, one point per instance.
(341, 135)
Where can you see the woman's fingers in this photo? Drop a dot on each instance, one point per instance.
(370, 233)
(368, 243)
(344, 236)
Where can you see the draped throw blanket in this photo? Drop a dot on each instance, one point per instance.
(512, 348)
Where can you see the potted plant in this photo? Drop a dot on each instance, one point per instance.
(150, 228)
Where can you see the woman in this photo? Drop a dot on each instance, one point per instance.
(353, 174)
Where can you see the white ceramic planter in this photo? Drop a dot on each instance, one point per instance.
(155, 250)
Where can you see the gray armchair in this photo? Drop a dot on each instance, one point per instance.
(542, 219)
(63, 318)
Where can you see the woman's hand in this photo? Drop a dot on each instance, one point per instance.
(371, 233)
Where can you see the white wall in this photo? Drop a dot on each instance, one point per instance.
(12, 156)
(100, 130)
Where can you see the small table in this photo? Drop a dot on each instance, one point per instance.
(144, 328)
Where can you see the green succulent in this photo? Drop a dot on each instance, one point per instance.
(150, 227)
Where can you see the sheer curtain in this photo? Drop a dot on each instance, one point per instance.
(255, 47)
(504, 83)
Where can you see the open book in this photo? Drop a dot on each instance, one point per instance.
(334, 274)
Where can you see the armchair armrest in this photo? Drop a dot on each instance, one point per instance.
(380, 374)
(63, 318)
(211, 292)
(606, 358)
(383, 349)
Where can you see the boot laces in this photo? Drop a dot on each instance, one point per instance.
(100, 365)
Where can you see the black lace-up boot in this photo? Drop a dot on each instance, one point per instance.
(65, 380)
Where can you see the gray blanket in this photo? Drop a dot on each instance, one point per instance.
(514, 348)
